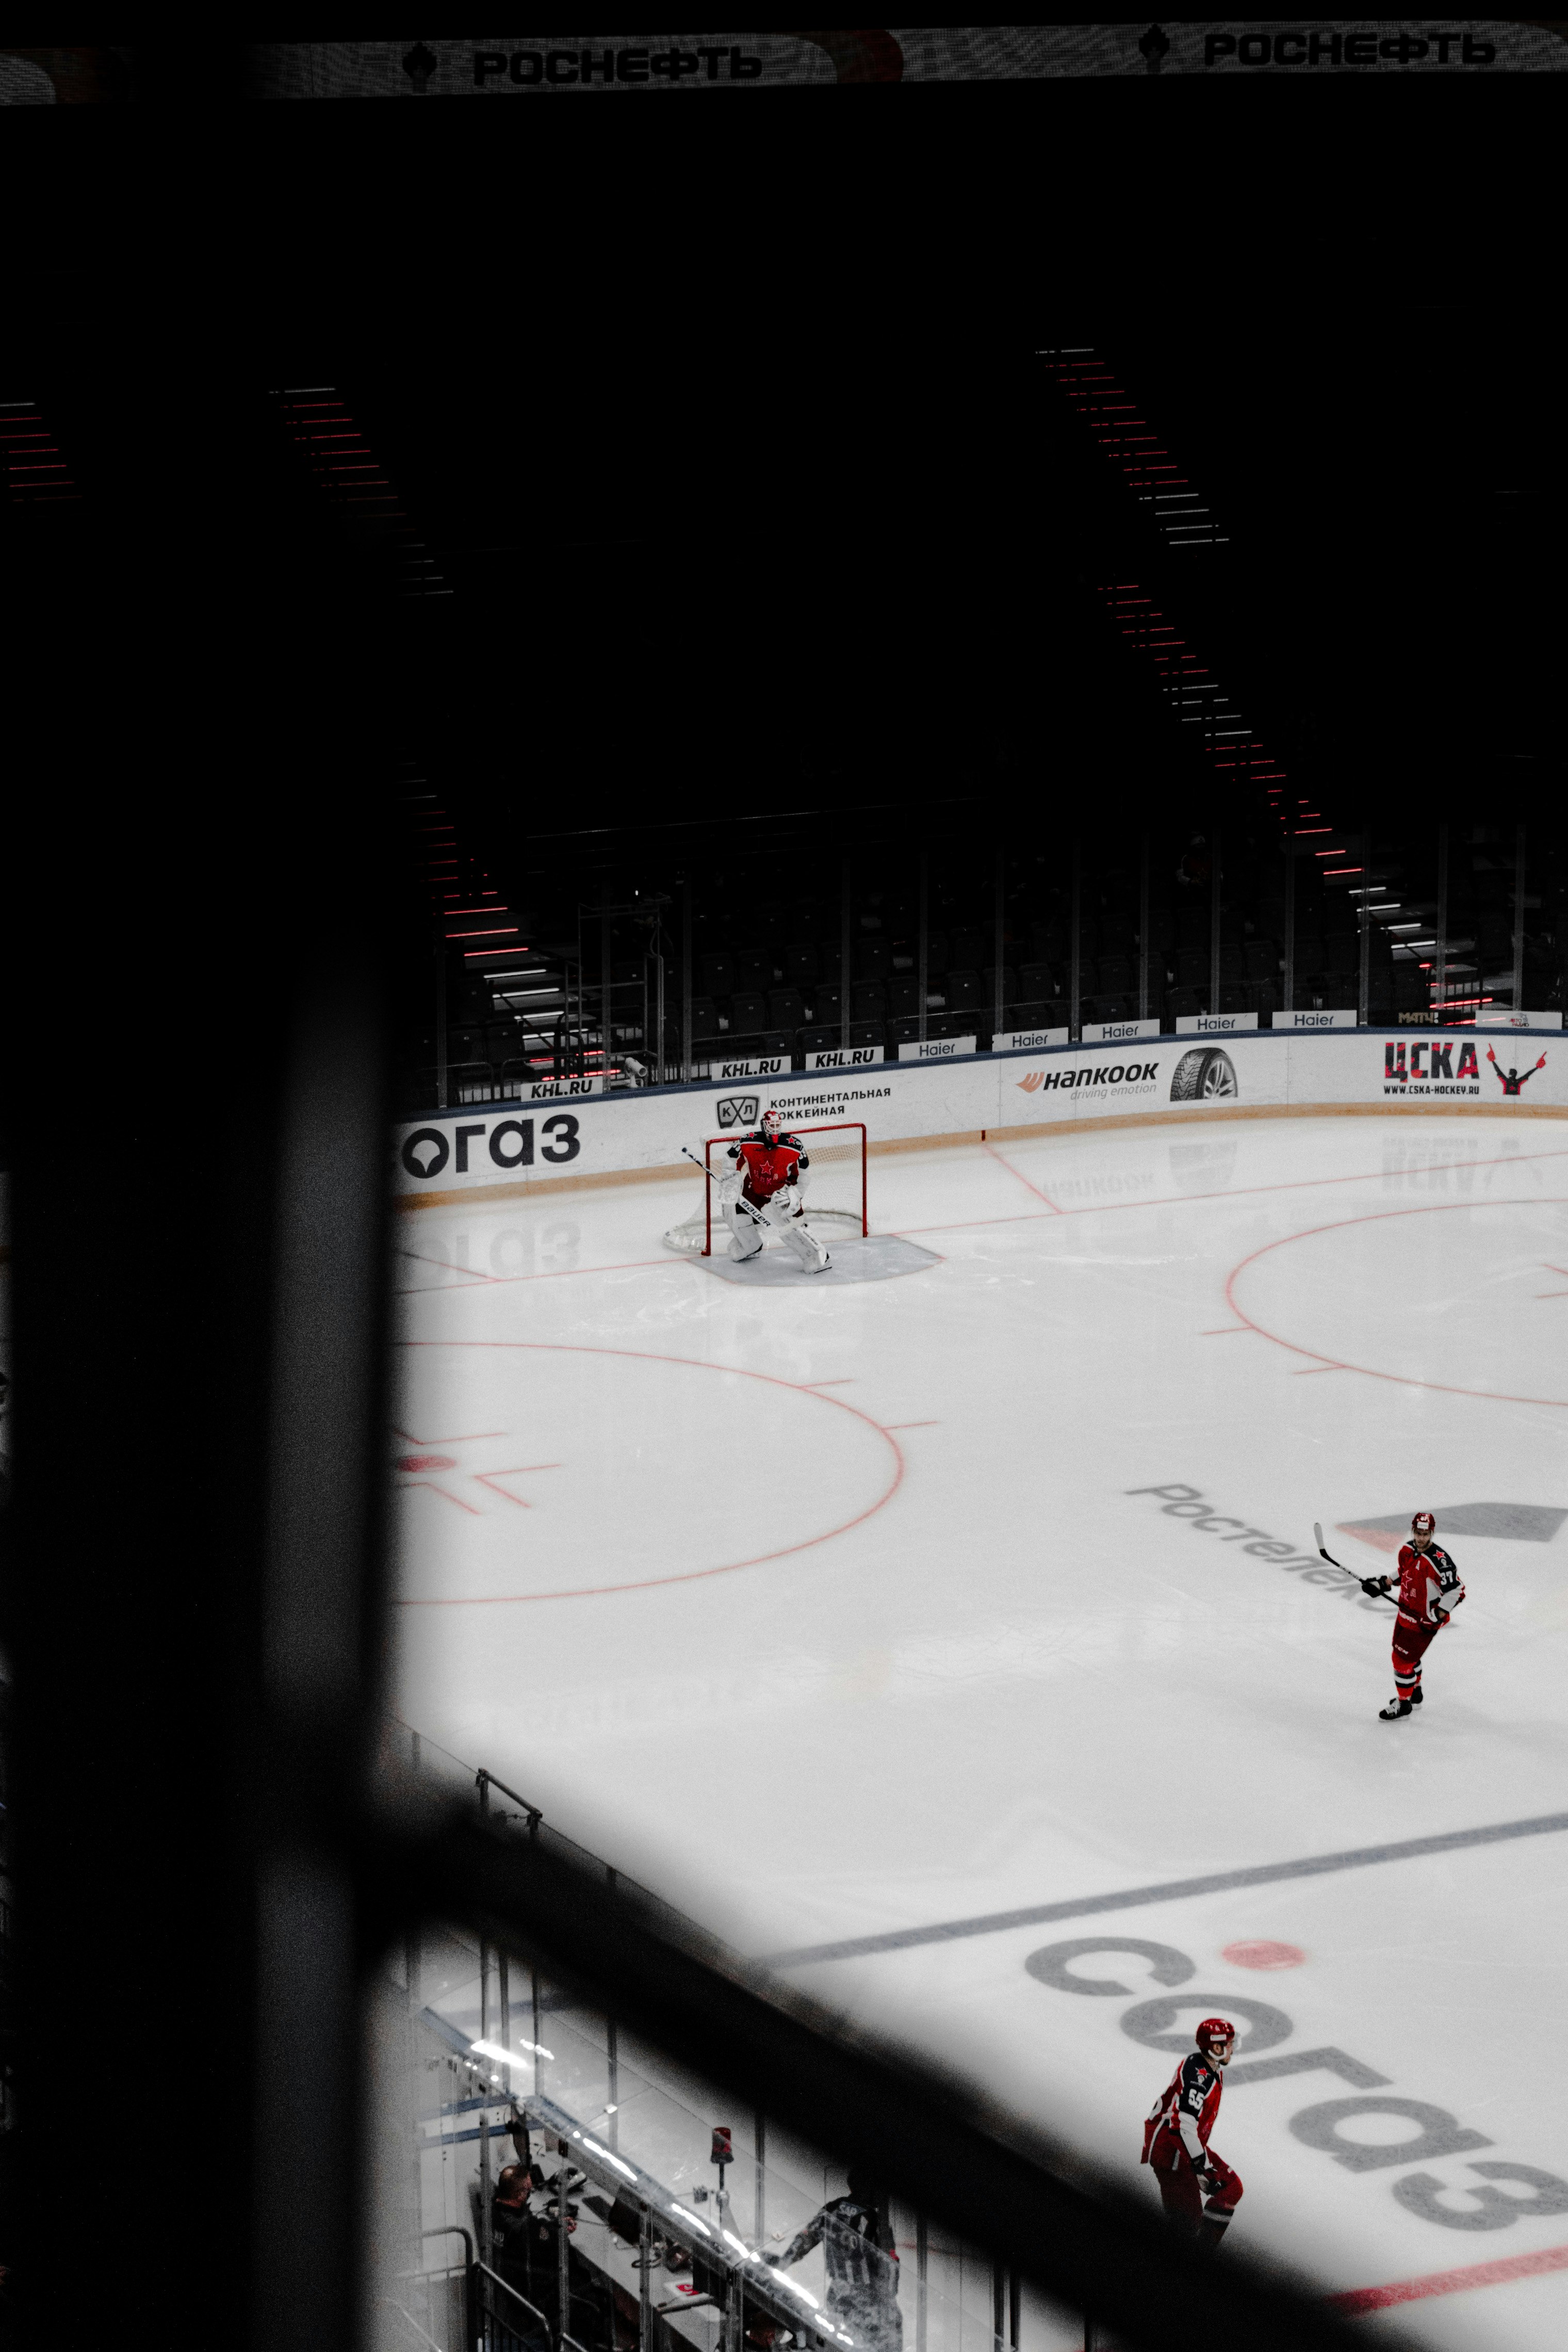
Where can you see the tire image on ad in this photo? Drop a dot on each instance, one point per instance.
(1205, 1075)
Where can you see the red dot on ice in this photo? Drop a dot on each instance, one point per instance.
(1263, 1955)
(426, 1462)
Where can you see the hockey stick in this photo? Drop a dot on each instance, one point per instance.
(1318, 1531)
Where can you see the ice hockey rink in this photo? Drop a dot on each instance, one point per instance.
(947, 1636)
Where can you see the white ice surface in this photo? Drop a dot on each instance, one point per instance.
(830, 1612)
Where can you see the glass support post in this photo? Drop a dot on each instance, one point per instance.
(1289, 922)
(923, 2253)
(644, 2284)
(1143, 930)
(760, 2144)
(604, 979)
(686, 981)
(562, 2253)
(1518, 918)
(923, 952)
(1213, 920)
(998, 1015)
(1441, 992)
(1077, 937)
(440, 1021)
(1364, 996)
(843, 961)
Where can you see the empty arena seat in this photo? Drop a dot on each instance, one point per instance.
(903, 995)
(825, 1004)
(786, 1008)
(748, 1009)
(1009, 985)
(1261, 959)
(718, 974)
(753, 969)
(872, 958)
(964, 991)
(968, 946)
(869, 1001)
(800, 964)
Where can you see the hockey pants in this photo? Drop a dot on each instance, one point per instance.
(1186, 2204)
(1410, 1641)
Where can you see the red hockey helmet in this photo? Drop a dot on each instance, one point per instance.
(770, 1127)
(1424, 1524)
(1216, 2033)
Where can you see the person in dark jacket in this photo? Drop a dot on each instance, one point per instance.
(862, 2261)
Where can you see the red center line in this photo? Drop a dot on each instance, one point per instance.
(425, 1290)
(445, 1267)
(1363, 2299)
(1022, 1179)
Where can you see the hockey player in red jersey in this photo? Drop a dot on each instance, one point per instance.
(1429, 1591)
(1198, 2189)
(763, 1191)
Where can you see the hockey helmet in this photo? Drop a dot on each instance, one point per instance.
(1424, 1524)
(1216, 2033)
(770, 1127)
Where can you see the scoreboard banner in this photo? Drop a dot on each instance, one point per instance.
(552, 64)
(516, 1148)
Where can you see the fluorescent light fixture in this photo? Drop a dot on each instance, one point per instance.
(794, 2287)
(510, 2057)
(606, 2155)
(691, 2217)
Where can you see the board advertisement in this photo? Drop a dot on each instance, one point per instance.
(515, 1147)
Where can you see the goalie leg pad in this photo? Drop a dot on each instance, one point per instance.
(804, 1244)
(746, 1238)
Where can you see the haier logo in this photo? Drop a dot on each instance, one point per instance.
(1426, 1067)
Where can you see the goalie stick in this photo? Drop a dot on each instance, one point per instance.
(756, 1217)
(1318, 1531)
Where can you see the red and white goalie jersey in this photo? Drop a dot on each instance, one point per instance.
(1182, 2116)
(1426, 1579)
(766, 1168)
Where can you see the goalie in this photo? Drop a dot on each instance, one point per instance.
(763, 1192)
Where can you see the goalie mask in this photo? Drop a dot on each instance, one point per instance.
(768, 1128)
(1216, 2038)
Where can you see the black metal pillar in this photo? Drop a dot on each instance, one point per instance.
(1077, 934)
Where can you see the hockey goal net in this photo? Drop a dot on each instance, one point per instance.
(832, 1194)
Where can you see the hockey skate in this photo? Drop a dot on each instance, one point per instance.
(1397, 1708)
(1415, 1695)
